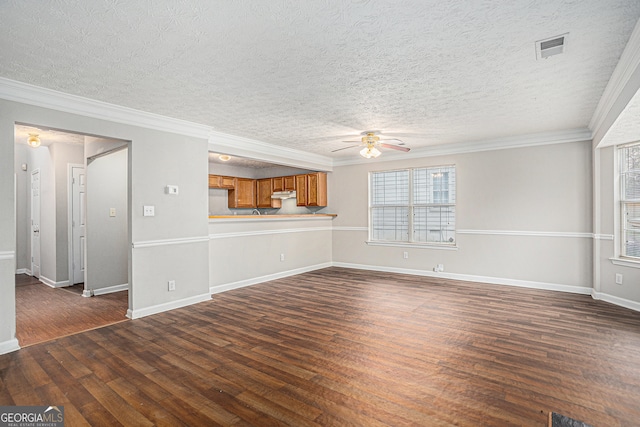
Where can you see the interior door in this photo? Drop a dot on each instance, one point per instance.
(78, 223)
(35, 223)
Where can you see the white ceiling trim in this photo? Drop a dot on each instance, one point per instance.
(12, 90)
(521, 141)
(258, 150)
(622, 86)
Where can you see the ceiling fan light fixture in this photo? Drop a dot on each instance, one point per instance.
(33, 140)
(369, 152)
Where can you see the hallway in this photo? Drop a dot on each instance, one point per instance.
(44, 313)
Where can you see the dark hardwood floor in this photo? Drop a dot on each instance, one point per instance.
(44, 313)
(346, 347)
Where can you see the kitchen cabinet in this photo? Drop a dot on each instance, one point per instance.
(243, 194)
(301, 190)
(317, 189)
(311, 189)
(277, 184)
(289, 183)
(218, 181)
(284, 183)
(264, 190)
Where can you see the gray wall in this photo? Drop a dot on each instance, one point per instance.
(23, 241)
(248, 251)
(533, 196)
(107, 237)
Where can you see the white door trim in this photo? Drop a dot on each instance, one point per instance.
(36, 272)
(70, 167)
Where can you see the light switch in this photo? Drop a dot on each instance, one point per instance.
(171, 189)
(149, 211)
(112, 212)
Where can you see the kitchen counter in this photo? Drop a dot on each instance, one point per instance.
(283, 217)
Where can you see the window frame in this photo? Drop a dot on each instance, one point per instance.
(411, 204)
(622, 203)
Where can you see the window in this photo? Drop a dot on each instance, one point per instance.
(413, 205)
(630, 200)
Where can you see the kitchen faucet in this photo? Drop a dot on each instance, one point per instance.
(255, 212)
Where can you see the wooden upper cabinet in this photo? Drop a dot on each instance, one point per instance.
(317, 189)
(301, 190)
(243, 194)
(264, 190)
(218, 181)
(289, 183)
(277, 184)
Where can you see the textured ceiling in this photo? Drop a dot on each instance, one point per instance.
(309, 74)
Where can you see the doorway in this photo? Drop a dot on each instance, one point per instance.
(52, 236)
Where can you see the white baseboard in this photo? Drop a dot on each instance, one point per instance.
(172, 305)
(9, 346)
(109, 289)
(255, 280)
(53, 284)
(472, 278)
(632, 305)
(24, 271)
(87, 293)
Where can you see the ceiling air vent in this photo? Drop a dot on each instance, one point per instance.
(551, 46)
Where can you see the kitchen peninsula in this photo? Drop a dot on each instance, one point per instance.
(267, 228)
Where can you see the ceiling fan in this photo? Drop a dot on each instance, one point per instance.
(371, 141)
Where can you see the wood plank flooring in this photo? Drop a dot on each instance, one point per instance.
(44, 313)
(346, 347)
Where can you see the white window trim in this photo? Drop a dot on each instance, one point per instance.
(410, 244)
(441, 246)
(618, 238)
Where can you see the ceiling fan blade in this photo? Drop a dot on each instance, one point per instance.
(352, 141)
(340, 149)
(400, 142)
(395, 147)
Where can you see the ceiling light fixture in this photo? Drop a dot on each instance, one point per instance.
(370, 151)
(33, 140)
(224, 158)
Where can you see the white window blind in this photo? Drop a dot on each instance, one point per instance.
(413, 205)
(630, 200)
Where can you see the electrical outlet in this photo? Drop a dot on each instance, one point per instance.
(149, 211)
(618, 279)
(405, 255)
(172, 285)
(281, 257)
(112, 212)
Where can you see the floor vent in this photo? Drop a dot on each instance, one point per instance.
(551, 46)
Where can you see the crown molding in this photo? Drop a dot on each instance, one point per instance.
(258, 150)
(622, 86)
(25, 93)
(521, 141)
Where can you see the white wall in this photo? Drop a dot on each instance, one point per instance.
(539, 198)
(107, 236)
